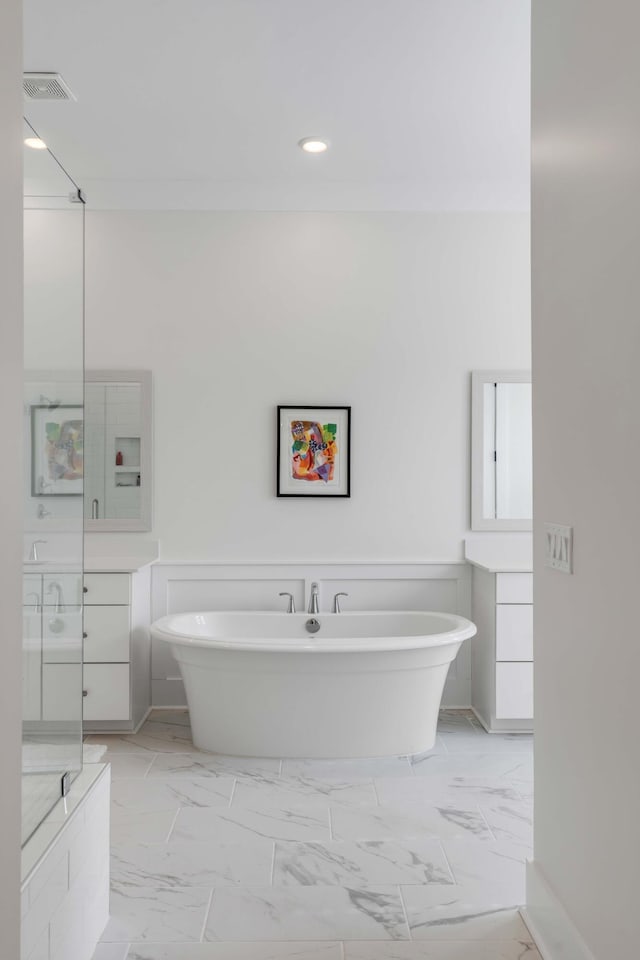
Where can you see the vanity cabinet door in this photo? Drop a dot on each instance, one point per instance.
(514, 691)
(514, 631)
(107, 691)
(107, 634)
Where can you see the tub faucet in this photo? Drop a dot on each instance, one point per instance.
(313, 601)
(291, 606)
(336, 602)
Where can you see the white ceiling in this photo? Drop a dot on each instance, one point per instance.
(199, 104)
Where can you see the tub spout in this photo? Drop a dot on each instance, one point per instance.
(313, 602)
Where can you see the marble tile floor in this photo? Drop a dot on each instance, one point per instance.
(231, 858)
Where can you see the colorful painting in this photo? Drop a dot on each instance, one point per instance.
(57, 451)
(313, 451)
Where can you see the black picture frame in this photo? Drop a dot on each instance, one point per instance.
(342, 489)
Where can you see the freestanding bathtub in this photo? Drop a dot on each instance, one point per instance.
(363, 685)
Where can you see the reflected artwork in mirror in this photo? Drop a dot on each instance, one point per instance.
(501, 461)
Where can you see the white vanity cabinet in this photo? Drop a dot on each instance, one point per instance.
(116, 660)
(502, 650)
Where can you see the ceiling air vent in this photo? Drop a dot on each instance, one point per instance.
(45, 86)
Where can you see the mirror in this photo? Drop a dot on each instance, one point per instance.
(117, 470)
(501, 450)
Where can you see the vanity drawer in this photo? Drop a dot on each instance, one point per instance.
(514, 691)
(107, 634)
(107, 691)
(514, 631)
(106, 588)
(514, 588)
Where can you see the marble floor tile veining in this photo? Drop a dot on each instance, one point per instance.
(149, 795)
(481, 911)
(311, 913)
(409, 820)
(240, 858)
(341, 863)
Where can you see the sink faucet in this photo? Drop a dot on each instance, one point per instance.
(33, 553)
(55, 586)
(313, 601)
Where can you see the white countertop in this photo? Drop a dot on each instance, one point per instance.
(103, 553)
(500, 552)
(124, 564)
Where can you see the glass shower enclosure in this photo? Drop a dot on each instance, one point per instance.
(53, 428)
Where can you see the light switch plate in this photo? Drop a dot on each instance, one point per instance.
(558, 550)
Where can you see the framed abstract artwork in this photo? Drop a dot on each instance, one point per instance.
(57, 454)
(314, 451)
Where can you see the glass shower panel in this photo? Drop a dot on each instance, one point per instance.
(53, 426)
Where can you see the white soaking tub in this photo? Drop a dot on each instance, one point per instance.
(363, 685)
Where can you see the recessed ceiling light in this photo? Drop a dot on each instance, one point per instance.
(35, 143)
(313, 145)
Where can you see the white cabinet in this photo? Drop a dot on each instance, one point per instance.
(502, 657)
(107, 634)
(107, 588)
(514, 631)
(106, 688)
(116, 675)
(103, 649)
(52, 649)
(514, 691)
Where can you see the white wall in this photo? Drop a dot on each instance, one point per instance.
(53, 341)
(235, 313)
(586, 353)
(53, 292)
(10, 512)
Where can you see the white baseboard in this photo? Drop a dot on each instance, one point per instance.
(145, 717)
(554, 932)
(504, 726)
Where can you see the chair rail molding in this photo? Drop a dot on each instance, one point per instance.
(183, 587)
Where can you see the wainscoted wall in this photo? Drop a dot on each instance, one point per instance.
(178, 588)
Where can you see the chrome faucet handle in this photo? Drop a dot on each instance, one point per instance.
(291, 606)
(33, 553)
(336, 602)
